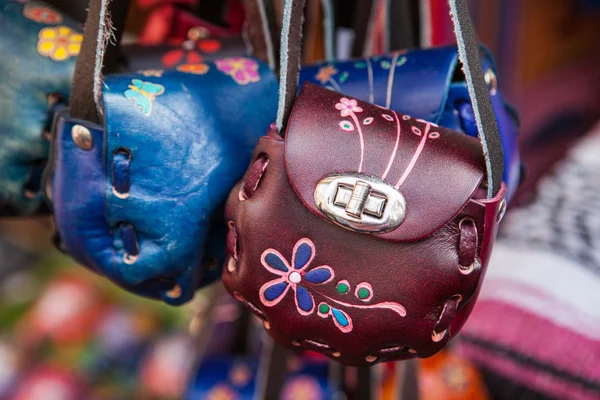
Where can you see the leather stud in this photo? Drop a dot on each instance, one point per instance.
(370, 358)
(336, 354)
(267, 325)
(492, 81)
(82, 137)
(296, 343)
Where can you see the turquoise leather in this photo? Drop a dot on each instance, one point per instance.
(426, 84)
(138, 206)
(32, 67)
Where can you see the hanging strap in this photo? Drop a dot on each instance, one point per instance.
(99, 52)
(403, 24)
(264, 38)
(468, 50)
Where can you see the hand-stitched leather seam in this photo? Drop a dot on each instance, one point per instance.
(121, 173)
(130, 242)
(254, 176)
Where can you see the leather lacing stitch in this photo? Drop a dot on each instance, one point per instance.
(121, 172)
(130, 243)
(232, 247)
(446, 317)
(253, 177)
(468, 244)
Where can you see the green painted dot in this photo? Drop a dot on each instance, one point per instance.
(343, 287)
(323, 308)
(363, 293)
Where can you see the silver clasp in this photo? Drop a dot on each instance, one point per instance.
(360, 202)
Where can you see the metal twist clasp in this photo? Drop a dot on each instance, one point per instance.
(360, 202)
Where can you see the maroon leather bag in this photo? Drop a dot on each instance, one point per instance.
(365, 234)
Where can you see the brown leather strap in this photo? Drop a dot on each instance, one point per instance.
(99, 52)
(468, 53)
(259, 17)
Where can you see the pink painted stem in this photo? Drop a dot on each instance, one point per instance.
(415, 156)
(393, 157)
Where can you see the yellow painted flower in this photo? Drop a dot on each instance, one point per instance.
(59, 43)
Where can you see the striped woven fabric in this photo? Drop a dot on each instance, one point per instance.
(537, 322)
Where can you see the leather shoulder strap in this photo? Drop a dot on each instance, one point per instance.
(99, 52)
(489, 134)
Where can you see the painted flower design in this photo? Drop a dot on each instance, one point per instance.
(295, 276)
(325, 73)
(43, 15)
(242, 70)
(348, 107)
(198, 69)
(143, 94)
(59, 43)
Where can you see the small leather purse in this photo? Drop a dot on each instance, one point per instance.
(365, 234)
(39, 46)
(143, 161)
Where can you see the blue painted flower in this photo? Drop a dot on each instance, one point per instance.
(143, 94)
(295, 276)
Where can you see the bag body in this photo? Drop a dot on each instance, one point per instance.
(134, 199)
(364, 235)
(39, 46)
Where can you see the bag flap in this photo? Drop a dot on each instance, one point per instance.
(435, 170)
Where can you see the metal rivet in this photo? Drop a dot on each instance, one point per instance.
(296, 343)
(267, 324)
(175, 293)
(412, 351)
(501, 211)
(492, 81)
(129, 259)
(82, 137)
(336, 354)
(370, 358)
(437, 337)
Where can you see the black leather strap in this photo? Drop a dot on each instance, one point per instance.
(364, 20)
(403, 24)
(99, 52)
(487, 126)
(469, 55)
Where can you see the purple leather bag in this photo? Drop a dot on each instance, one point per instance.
(365, 234)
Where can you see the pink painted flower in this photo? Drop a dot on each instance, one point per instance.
(295, 276)
(242, 70)
(347, 106)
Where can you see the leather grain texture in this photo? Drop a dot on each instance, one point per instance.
(138, 206)
(355, 297)
(38, 45)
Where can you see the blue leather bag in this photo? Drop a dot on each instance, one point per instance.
(134, 196)
(38, 46)
(426, 84)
